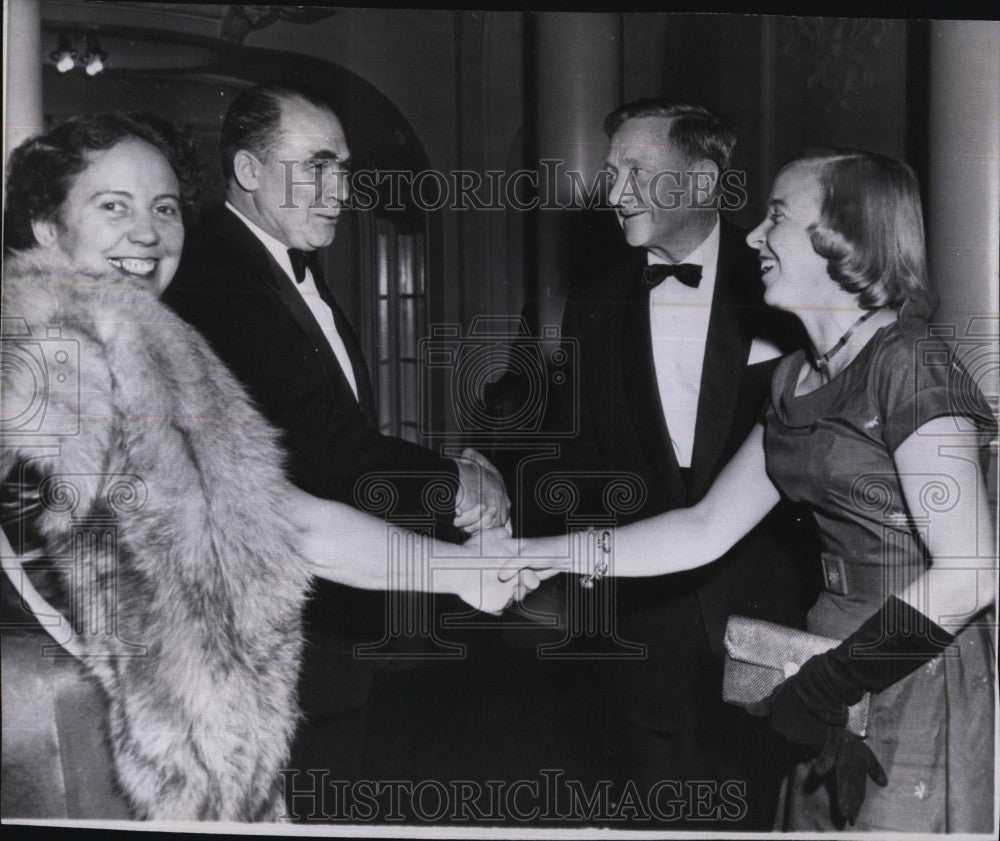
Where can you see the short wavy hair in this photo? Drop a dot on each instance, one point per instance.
(696, 131)
(41, 170)
(871, 228)
(253, 120)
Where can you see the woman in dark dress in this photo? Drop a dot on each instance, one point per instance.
(882, 432)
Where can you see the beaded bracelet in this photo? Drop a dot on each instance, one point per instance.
(601, 564)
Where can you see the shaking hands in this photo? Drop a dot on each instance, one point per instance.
(481, 502)
(488, 574)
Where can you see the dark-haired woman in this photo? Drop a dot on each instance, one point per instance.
(191, 615)
(883, 434)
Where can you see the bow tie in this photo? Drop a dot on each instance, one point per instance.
(301, 260)
(687, 273)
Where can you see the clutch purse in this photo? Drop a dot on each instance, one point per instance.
(760, 655)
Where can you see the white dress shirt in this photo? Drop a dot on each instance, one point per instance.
(678, 323)
(310, 295)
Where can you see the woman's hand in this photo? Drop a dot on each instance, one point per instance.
(471, 571)
(349, 547)
(546, 556)
(495, 576)
(483, 589)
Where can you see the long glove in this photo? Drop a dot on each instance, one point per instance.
(847, 762)
(810, 708)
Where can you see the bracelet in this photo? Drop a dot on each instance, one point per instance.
(601, 564)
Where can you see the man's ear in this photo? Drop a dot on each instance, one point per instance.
(45, 231)
(705, 183)
(246, 170)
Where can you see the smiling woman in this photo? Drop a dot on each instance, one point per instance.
(864, 432)
(124, 211)
(128, 445)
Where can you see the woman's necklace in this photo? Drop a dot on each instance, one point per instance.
(823, 362)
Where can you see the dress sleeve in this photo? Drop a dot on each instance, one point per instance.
(920, 378)
(788, 366)
(766, 411)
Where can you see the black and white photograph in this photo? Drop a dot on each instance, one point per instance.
(464, 422)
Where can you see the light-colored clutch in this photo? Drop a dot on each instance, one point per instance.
(760, 655)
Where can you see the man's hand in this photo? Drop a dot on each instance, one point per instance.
(481, 501)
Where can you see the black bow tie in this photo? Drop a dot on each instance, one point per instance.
(687, 273)
(301, 260)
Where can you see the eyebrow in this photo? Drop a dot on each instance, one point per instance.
(626, 161)
(777, 203)
(327, 155)
(109, 192)
(127, 194)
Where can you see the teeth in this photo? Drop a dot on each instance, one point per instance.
(135, 265)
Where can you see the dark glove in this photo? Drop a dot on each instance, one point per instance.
(847, 762)
(894, 642)
(805, 707)
(810, 708)
(887, 647)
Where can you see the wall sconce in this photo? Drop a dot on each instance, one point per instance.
(65, 58)
(93, 60)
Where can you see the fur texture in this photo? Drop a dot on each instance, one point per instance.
(205, 572)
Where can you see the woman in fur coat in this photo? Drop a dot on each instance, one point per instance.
(134, 451)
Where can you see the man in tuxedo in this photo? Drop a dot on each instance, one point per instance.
(676, 352)
(250, 281)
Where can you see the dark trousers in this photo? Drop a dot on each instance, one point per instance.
(708, 764)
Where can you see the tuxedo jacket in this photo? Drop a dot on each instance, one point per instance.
(615, 407)
(230, 288)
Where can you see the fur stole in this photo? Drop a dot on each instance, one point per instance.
(164, 486)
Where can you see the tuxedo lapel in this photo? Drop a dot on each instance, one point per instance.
(366, 394)
(727, 349)
(263, 265)
(642, 392)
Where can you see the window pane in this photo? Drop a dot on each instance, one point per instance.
(418, 264)
(411, 401)
(408, 328)
(405, 262)
(400, 313)
(384, 349)
(385, 375)
(382, 263)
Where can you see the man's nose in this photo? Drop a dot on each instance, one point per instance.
(336, 187)
(615, 189)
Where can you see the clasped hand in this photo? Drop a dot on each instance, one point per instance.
(481, 501)
(491, 575)
(498, 577)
